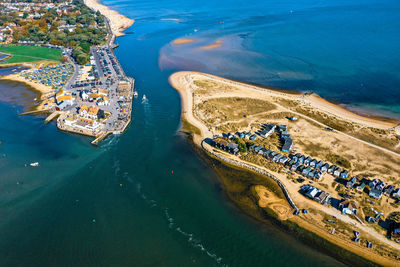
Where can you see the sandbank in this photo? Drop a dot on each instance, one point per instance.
(181, 41)
(216, 44)
(118, 22)
(171, 19)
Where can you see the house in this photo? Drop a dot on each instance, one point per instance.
(344, 174)
(307, 161)
(332, 169)
(247, 135)
(388, 190)
(348, 207)
(312, 192)
(306, 171)
(253, 137)
(282, 128)
(396, 193)
(230, 135)
(319, 165)
(337, 172)
(395, 231)
(300, 159)
(311, 174)
(287, 145)
(351, 182)
(361, 187)
(225, 145)
(323, 198)
(380, 186)
(295, 166)
(325, 167)
(318, 175)
(283, 160)
(268, 129)
(375, 193)
(372, 184)
(313, 163)
(371, 219)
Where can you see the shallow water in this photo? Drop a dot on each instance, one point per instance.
(119, 203)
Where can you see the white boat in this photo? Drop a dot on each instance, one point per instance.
(135, 94)
(144, 98)
(34, 164)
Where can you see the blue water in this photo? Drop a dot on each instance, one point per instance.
(119, 204)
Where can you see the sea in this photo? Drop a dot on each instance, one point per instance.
(145, 198)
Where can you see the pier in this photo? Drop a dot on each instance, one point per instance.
(100, 138)
(52, 116)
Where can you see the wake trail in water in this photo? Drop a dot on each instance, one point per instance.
(191, 239)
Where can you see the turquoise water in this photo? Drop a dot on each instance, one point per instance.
(119, 204)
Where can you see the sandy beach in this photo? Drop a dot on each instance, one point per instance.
(181, 41)
(181, 81)
(43, 90)
(118, 22)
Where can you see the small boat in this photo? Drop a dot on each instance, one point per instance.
(144, 98)
(34, 164)
(135, 94)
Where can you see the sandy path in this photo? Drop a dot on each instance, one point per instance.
(118, 22)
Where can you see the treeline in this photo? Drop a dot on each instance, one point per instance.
(86, 29)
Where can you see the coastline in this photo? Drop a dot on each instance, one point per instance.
(181, 81)
(118, 22)
(40, 89)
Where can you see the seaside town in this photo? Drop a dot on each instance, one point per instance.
(88, 91)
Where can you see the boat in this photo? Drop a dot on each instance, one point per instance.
(135, 94)
(144, 98)
(34, 164)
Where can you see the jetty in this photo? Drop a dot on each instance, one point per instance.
(52, 116)
(100, 138)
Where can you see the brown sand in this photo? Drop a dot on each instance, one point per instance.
(216, 44)
(181, 41)
(171, 19)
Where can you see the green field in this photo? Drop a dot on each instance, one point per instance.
(29, 54)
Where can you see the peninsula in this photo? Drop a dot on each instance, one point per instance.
(323, 168)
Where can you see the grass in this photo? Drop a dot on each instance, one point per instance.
(22, 54)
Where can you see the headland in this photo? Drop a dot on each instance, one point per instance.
(323, 157)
